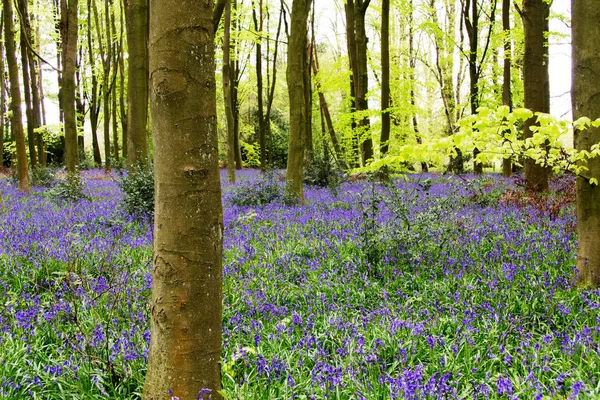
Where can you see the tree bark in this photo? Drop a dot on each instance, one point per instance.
(16, 121)
(385, 77)
(295, 79)
(536, 82)
(185, 346)
(69, 55)
(586, 103)
(136, 23)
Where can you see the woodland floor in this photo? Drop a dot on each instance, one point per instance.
(431, 287)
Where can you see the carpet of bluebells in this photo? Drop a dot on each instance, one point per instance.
(431, 287)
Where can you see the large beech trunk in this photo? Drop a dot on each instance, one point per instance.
(586, 103)
(185, 345)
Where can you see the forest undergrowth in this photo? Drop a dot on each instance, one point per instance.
(436, 286)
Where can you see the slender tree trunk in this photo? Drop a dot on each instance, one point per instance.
(25, 29)
(272, 88)
(16, 121)
(360, 77)
(326, 115)
(122, 102)
(506, 84)
(385, 77)
(235, 81)
(94, 102)
(185, 345)
(413, 66)
(2, 96)
(471, 16)
(69, 53)
(296, 90)
(258, 26)
(226, 75)
(351, 42)
(306, 75)
(536, 82)
(136, 21)
(586, 86)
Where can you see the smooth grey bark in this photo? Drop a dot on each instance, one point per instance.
(185, 346)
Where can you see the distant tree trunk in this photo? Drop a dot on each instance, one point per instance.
(586, 86)
(308, 99)
(296, 90)
(355, 21)
(136, 22)
(94, 102)
(326, 115)
(226, 75)
(25, 30)
(258, 27)
(80, 104)
(444, 62)
(16, 121)
(272, 88)
(185, 345)
(471, 16)
(122, 101)
(351, 44)
(506, 84)
(536, 82)
(69, 54)
(413, 66)
(235, 81)
(385, 77)
(2, 95)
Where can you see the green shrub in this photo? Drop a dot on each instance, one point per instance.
(44, 177)
(138, 187)
(324, 172)
(262, 192)
(71, 188)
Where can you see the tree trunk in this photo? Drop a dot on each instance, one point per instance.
(506, 84)
(326, 115)
(227, 93)
(2, 96)
(296, 90)
(25, 38)
(136, 22)
(258, 27)
(69, 52)
(385, 77)
(16, 121)
(306, 74)
(586, 103)
(355, 21)
(351, 44)
(185, 347)
(536, 83)
(94, 102)
(272, 88)
(122, 102)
